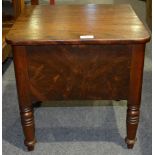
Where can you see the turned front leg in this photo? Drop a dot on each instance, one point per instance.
(134, 97)
(25, 104)
(27, 120)
(132, 125)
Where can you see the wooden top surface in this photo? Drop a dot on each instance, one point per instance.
(64, 24)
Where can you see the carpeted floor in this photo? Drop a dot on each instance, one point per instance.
(98, 128)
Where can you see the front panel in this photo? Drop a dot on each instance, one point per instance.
(68, 72)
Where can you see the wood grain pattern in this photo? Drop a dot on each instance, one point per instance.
(79, 72)
(108, 23)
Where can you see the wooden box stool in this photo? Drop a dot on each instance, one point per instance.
(82, 52)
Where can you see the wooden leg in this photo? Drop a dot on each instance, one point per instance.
(52, 2)
(134, 98)
(25, 104)
(34, 2)
(132, 124)
(27, 121)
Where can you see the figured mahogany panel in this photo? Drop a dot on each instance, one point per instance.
(79, 71)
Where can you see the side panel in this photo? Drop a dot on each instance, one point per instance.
(67, 72)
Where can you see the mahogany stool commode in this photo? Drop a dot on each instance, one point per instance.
(78, 52)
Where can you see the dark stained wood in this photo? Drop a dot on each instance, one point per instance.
(52, 2)
(34, 2)
(60, 24)
(52, 63)
(79, 71)
(134, 97)
(25, 104)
